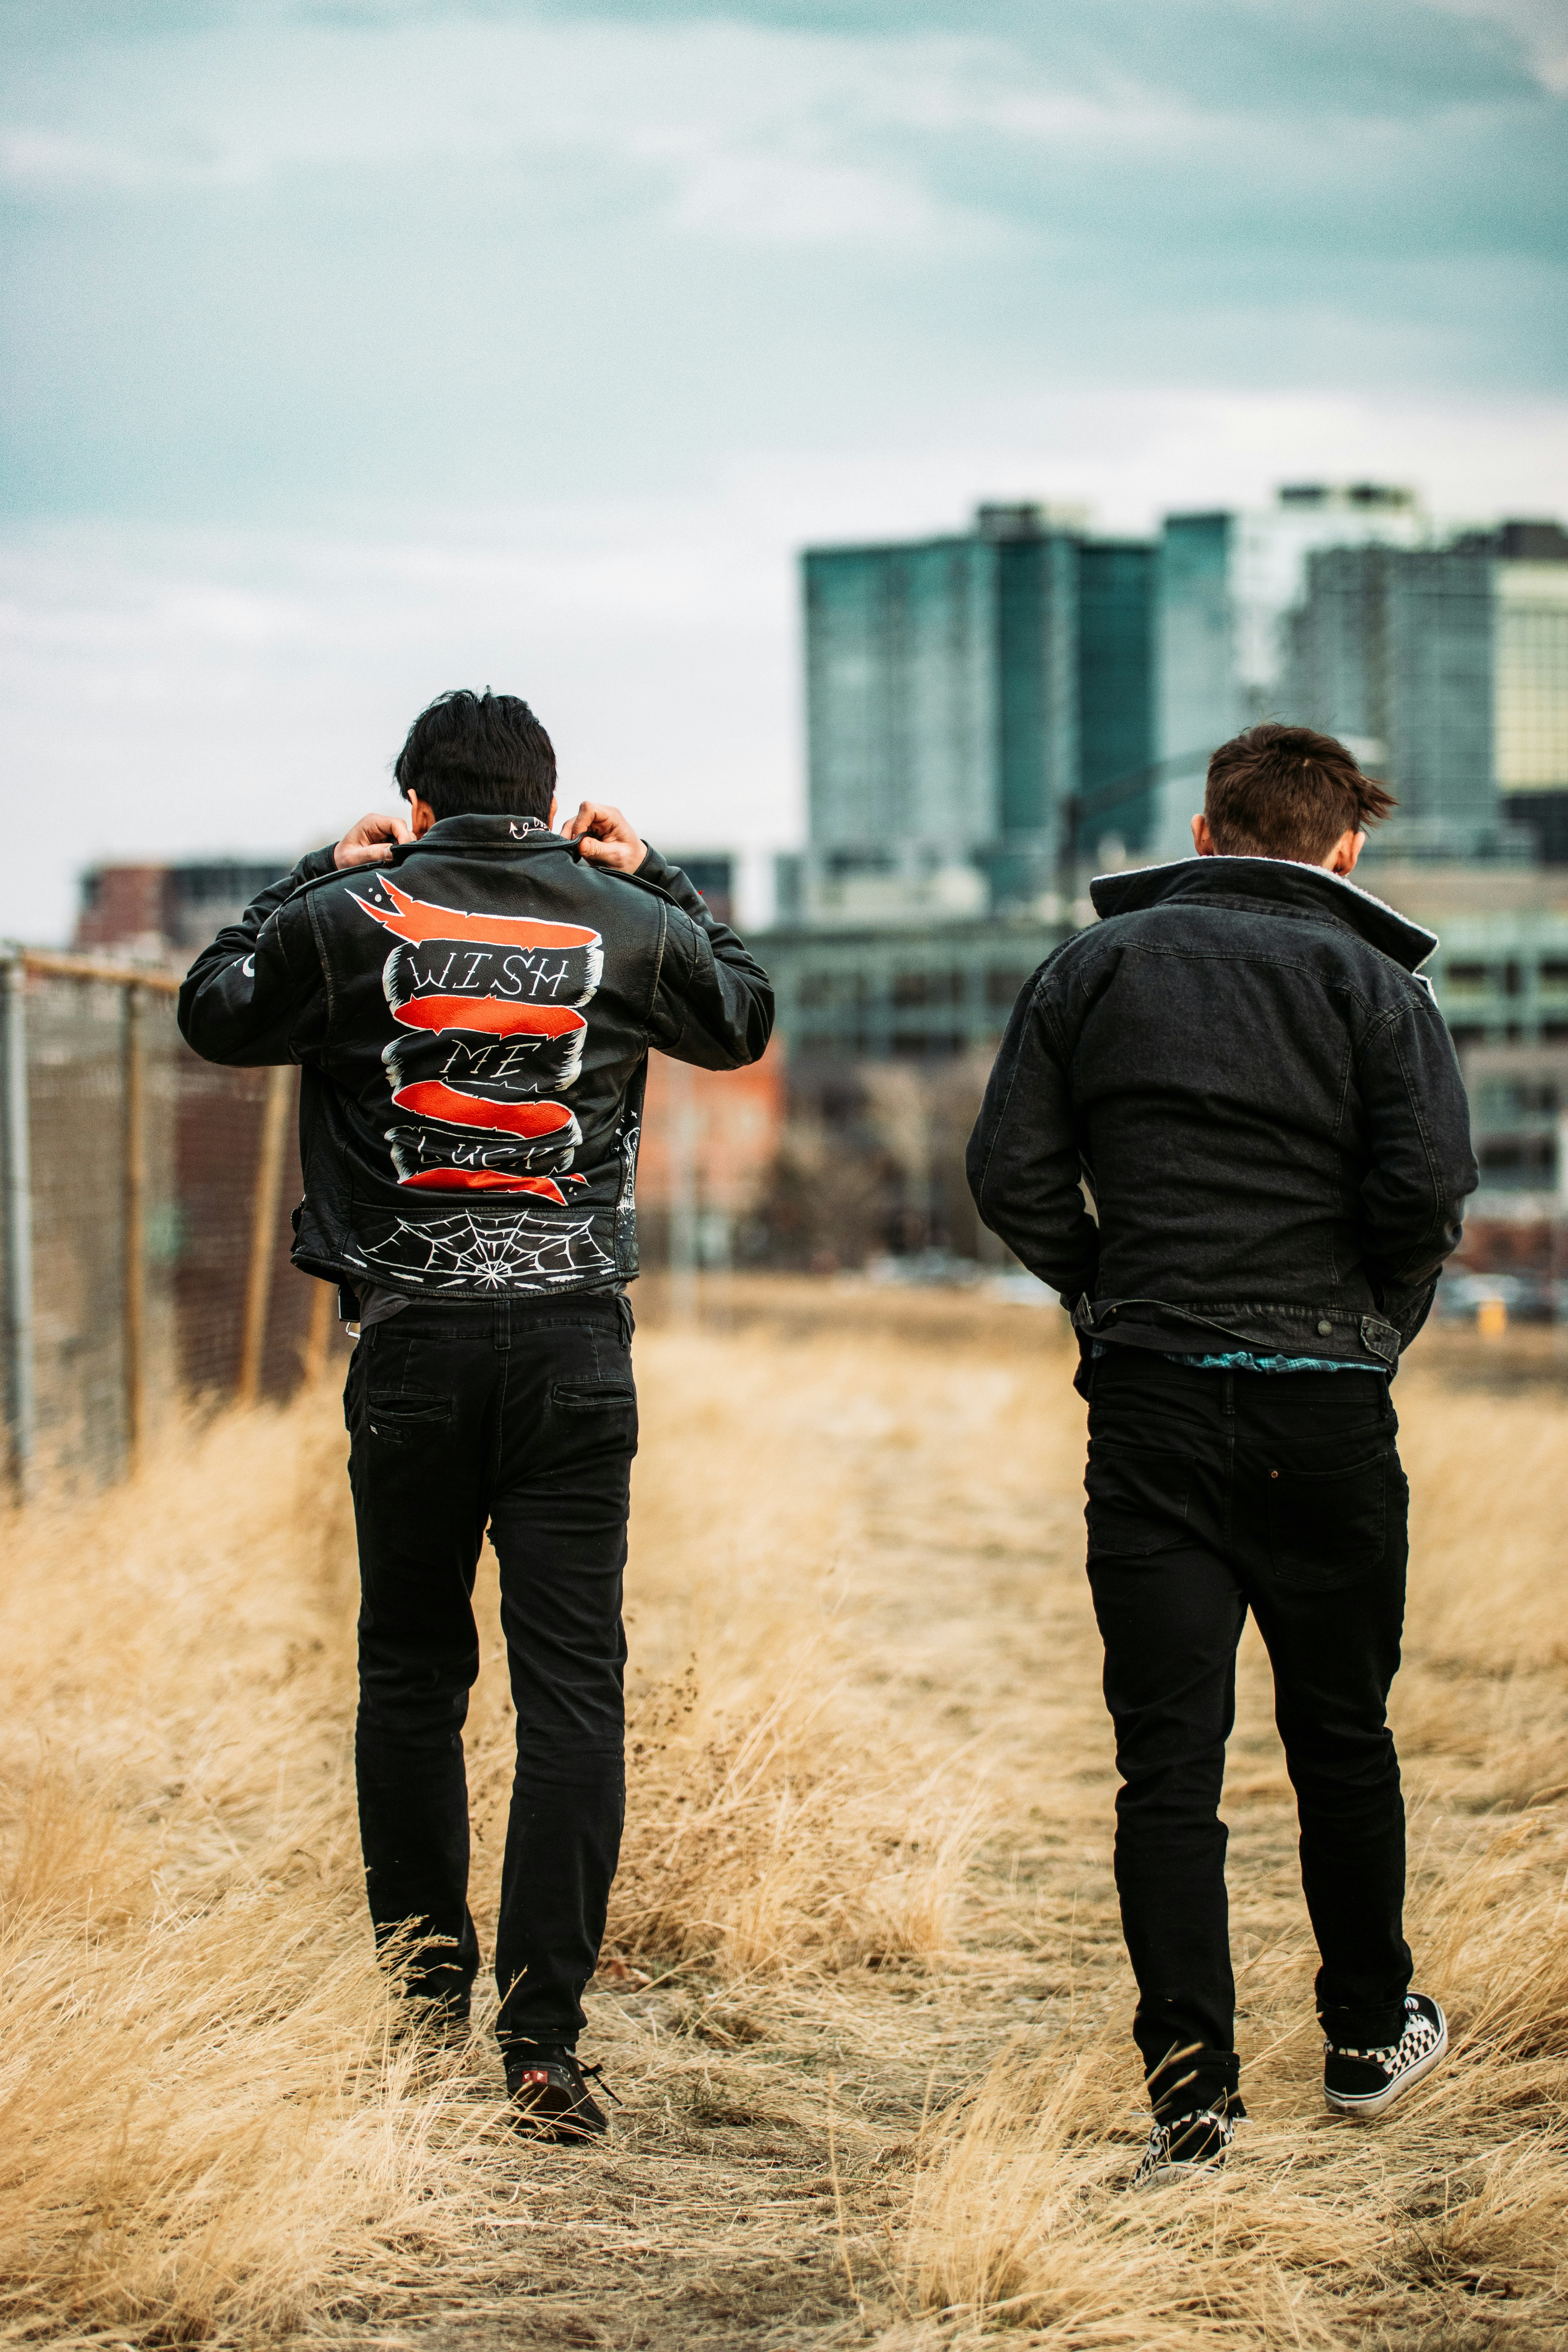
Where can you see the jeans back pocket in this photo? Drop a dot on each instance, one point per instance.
(1328, 1526)
(1138, 1497)
(593, 1396)
(402, 1417)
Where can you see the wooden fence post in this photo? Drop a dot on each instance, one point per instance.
(681, 1098)
(323, 1314)
(134, 1230)
(15, 1179)
(264, 1228)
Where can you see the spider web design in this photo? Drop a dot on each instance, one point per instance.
(464, 1252)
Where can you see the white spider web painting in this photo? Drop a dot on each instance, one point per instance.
(463, 1252)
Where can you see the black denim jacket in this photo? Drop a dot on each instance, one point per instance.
(1262, 1101)
(473, 1021)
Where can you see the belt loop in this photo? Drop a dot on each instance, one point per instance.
(503, 1326)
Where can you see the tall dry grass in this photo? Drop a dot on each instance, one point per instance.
(866, 1870)
(209, 2122)
(1445, 2226)
(215, 2118)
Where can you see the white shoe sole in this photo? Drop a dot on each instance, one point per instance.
(1377, 2103)
(1171, 2176)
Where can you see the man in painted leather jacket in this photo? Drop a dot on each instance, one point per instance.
(471, 995)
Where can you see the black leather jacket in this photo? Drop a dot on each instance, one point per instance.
(473, 1021)
(1263, 1101)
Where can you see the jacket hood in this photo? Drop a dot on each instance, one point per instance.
(1276, 881)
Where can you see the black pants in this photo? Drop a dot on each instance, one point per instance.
(521, 1415)
(1211, 1493)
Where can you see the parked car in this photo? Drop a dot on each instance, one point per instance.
(1528, 1296)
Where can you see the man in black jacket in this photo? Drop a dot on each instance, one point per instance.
(1239, 1066)
(471, 996)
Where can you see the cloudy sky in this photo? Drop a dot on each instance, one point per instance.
(356, 350)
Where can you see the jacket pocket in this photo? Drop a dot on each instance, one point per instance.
(1327, 1528)
(1137, 1499)
(403, 1417)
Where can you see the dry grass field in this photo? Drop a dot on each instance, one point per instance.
(864, 1999)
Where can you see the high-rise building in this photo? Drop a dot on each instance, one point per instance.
(1530, 695)
(979, 707)
(1227, 583)
(1393, 649)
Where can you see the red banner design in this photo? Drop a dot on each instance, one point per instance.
(420, 919)
(428, 1098)
(493, 1016)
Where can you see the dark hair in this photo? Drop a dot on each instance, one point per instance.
(477, 755)
(1284, 792)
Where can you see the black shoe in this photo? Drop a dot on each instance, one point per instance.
(1368, 2082)
(550, 2098)
(1181, 2146)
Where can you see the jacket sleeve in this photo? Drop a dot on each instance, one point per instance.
(1024, 1163)
(257, 994)
(1422, 1167)
(713, 1003)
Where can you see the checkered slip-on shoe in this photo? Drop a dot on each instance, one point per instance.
(1183, 2145)
(1368, 2082)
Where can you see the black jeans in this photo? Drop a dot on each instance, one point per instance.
(1211, 1493)
(521, 1415)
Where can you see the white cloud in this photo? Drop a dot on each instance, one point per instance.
(1541, 27)
(754, 132)
(749, 126)
(173, 693)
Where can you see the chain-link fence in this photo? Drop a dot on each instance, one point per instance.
(147, 1198)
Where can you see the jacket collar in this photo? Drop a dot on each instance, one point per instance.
(466, 836)
(1272, 882)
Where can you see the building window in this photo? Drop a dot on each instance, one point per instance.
(910, 988)
(1002, 988)
(926, 1044)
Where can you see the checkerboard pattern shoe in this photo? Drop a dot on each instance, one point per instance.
(1368, 2082)
(1183, 2145)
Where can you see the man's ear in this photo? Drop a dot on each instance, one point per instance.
(1203, 839)
(421, 815)
(550, 820)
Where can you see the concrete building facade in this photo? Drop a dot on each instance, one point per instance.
(1228, 581)
(1531, 698)
(1393, 649)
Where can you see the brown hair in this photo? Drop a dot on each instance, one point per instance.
(1284, 792)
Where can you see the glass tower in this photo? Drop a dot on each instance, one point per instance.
(979, 710)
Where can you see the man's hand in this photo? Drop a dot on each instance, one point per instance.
(368, 842)
(606, 838)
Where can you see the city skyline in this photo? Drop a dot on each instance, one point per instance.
(991, 712)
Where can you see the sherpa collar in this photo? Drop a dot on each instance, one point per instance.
(1269, 881)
